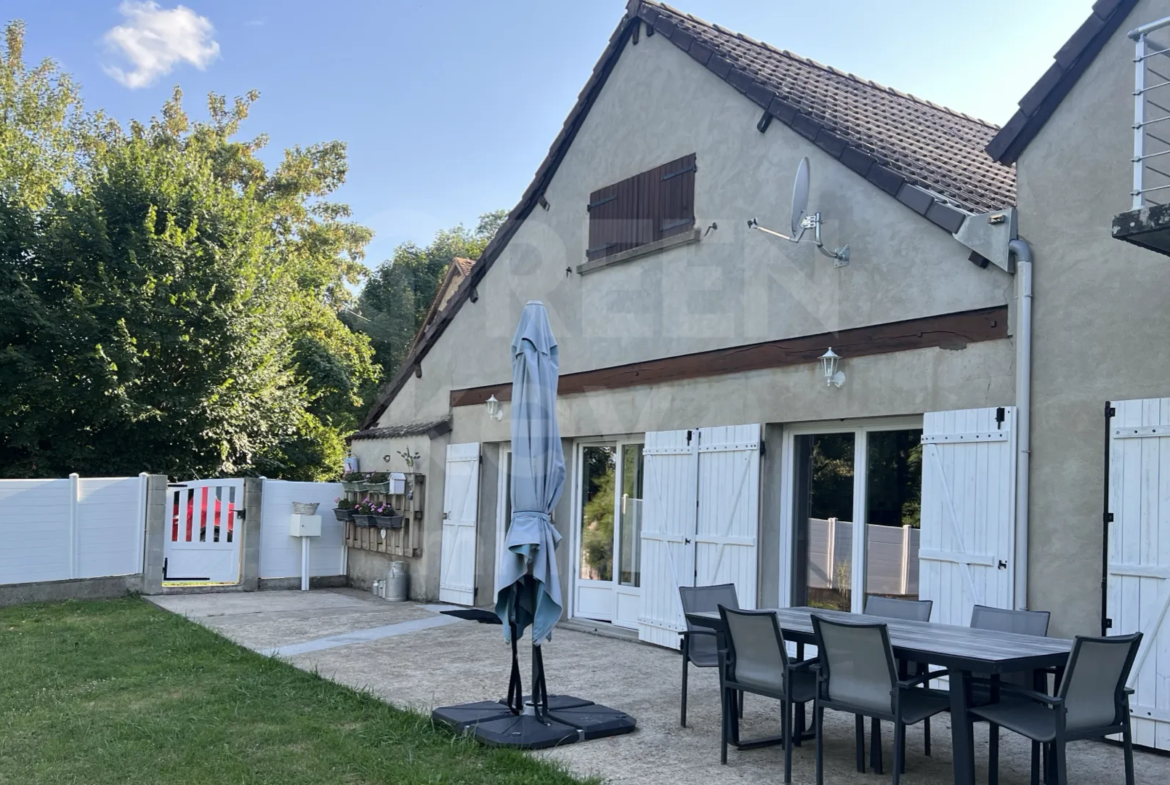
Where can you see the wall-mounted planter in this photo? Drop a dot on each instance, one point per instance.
(345, 516)
(389, 521)
(352, 486)
(376, 487)
(363, 521)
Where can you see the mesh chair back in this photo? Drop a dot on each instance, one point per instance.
(1094, 683)
(706, 599)
(858, 664)
(907, 610)
(756, 647)
(1004, 620)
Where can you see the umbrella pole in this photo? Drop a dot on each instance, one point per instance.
(515, 685)
(539, 688)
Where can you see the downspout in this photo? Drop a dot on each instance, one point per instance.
(1023, 254)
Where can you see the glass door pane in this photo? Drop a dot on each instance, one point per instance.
(893, 493)
(598, 478)
(823, 517)
(630, 511)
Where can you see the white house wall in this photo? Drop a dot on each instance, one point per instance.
(1100, 321)
(736, 286)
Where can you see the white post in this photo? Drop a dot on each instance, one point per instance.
(304, 563)
(140, 520)
(1139, 118)
(831, 551)
(905, 584)
(74, 545)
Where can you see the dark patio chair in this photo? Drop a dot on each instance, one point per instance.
(699, 647)
(857, 674)
(1005, 620)
(909, 610)
(756, 660)
(1092, 702)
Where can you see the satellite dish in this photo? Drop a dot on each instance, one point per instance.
(802, 220)
(799, 197)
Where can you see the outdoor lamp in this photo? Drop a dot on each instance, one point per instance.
(494, 409)
(829, 361)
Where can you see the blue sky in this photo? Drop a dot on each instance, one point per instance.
(449, 107)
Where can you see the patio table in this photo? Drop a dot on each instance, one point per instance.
(961, 650)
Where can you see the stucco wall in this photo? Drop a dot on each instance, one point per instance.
(364, 567)
(736, 286)
(1100, 322)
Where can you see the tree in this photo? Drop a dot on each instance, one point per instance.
(399, 292)
(169, 304)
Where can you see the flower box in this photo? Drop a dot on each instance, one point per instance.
(388, 521)
(345, 516)
(352, 486)
(376, 487)
(363, 521)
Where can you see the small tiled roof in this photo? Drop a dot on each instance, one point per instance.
(432, 428)
(464, 265)
(929, 146)
(1070, 62)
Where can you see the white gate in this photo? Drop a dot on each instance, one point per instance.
(1138, 589)
(204, 532)
(460, 511)
(729, 509)
(967, 547)
(700, 520)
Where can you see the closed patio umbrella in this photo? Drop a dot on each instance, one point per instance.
(528, 590)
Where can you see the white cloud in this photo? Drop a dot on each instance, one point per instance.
(154, 40)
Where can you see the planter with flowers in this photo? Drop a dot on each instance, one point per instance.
(344, 509)
(377, 482)
(353, 481)
(363, 514)
(386, 518)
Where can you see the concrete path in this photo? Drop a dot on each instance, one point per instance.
(413, 657)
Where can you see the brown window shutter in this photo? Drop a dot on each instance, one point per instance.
(676, 204)
(603, 207)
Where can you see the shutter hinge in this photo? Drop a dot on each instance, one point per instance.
(589, 207)
(1000, 415)
(481, 460)
(1108, 517)
(763, 448)
(670, 175)
(1109, 411)
(688, 438)
(1109, 624)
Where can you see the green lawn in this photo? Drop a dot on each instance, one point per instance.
(123, 692)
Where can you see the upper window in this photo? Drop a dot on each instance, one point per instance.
(642, 209)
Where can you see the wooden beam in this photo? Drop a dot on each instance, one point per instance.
(953, 330)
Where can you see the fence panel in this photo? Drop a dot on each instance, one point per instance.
(280, 553)
(54, 530)
(892, 553)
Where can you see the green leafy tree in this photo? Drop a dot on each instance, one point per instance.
(168, 303)
(395, 300)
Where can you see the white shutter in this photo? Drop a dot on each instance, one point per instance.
(460, 508)
(668, 529)
(967, 546)
(1138, 592)
(729, 509)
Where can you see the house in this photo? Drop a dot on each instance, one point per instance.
(960, 460)
(459, 269)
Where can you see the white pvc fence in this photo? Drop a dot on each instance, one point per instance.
(53, 530)
(280, 553)
(892, 557)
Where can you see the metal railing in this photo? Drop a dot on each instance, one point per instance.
(1151, 111)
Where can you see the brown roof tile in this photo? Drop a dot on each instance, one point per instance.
(926, 145)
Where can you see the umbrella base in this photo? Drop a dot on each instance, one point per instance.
(569, 720)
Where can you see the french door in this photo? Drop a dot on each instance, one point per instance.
(851, 522)
(607, 529)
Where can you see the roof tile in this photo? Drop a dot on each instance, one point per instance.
(936, 149)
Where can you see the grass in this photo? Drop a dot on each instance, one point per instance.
(123, 692)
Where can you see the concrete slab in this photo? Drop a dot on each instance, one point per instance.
(427, 666)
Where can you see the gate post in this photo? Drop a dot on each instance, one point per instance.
(154, 534)
(250, 575)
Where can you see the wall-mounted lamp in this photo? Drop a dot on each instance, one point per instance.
(829, 361)
(494, 410)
